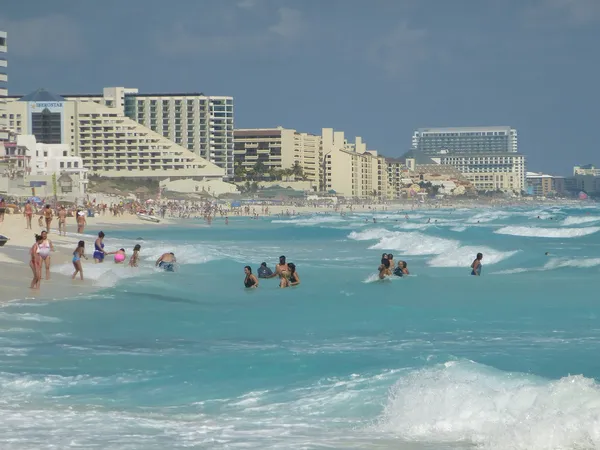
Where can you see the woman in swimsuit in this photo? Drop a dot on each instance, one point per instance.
(35, 263)
(44, 250)
(133, 261)
(99, 252)
(250, 281)
(28, 214)
(476, 266)
(80, 218)
(294, 277)
(77, 255)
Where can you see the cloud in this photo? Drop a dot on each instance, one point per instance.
(182, 39)
(247, 4)
(400, 50)
(291, 23)
(55, 36)
(569, 12)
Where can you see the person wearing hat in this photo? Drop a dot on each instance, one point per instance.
(264, 271)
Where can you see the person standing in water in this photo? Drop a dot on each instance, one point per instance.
(44, 250)
(99, 252)
(282, 270)
(166, 262)
(77, 255)
(35, 263)
(120, 256)
(250, 281)
(476, 266)
(133, 261)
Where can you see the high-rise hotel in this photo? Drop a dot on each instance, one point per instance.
(202, 124)
(487, 156)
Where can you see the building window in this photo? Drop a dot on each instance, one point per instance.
(62, 165)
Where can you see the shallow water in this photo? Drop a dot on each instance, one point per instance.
(436, 360)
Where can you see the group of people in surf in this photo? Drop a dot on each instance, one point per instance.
(388, 267)
(288, 276)
(166, 261)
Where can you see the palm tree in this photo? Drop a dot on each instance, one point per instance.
(297, 171)
(259, 169)
(239, 172)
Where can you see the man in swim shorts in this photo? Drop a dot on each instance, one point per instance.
(167, 262)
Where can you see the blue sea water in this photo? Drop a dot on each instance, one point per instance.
(437, 360)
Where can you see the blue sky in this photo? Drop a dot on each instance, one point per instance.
(373, 68)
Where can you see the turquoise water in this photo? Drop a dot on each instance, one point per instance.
(436, 360)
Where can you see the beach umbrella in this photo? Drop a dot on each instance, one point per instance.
(35, 200)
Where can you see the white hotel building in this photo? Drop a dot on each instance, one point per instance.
(202, 124)
(487, 156)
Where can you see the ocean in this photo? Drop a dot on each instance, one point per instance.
(436, 360)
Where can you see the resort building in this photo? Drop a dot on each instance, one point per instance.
(109, 144)
(350, 170)
(279, 149)
(541, 185)
(3, 89)
(488, 171)
(588, 169)
(398, 177)
(469, 140)
(202, 124)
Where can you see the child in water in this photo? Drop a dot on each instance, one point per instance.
(77, 255)
(133, 261)
(120, 256)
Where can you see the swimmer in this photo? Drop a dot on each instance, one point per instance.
(120, 256)
(77, 255)
(476, 265)
(547, 254)
(133, 261)
(294, 277)
(250, 281)
(401, 269)
(390, 258)
(167, 262)
(384, 268)
(282, 270)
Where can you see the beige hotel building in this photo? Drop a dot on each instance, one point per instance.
(109, 143)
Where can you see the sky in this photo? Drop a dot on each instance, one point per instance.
(373, 68)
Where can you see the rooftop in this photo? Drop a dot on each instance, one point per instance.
(41, 95)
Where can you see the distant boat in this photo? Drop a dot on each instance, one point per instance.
(148, 218)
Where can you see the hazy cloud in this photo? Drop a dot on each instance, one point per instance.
(291, 23)
(182, 39)
(247, 4)
(47, 37)
(571, 12)
(399, 51)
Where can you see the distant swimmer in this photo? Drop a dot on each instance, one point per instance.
(402, 269)
(294, 279)
(547, 254)
(167, 262)
(476, 266)
(384, 267)
(264, 271)
(250, 281)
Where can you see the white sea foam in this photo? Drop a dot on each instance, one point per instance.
(463, 256)
(27, 317)
(310, 221)
(579, 220)
(489, 216)
(464, 401)
(414, 243)
(547, 232)
(369, 235)
(555, 263)
(458, 229)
